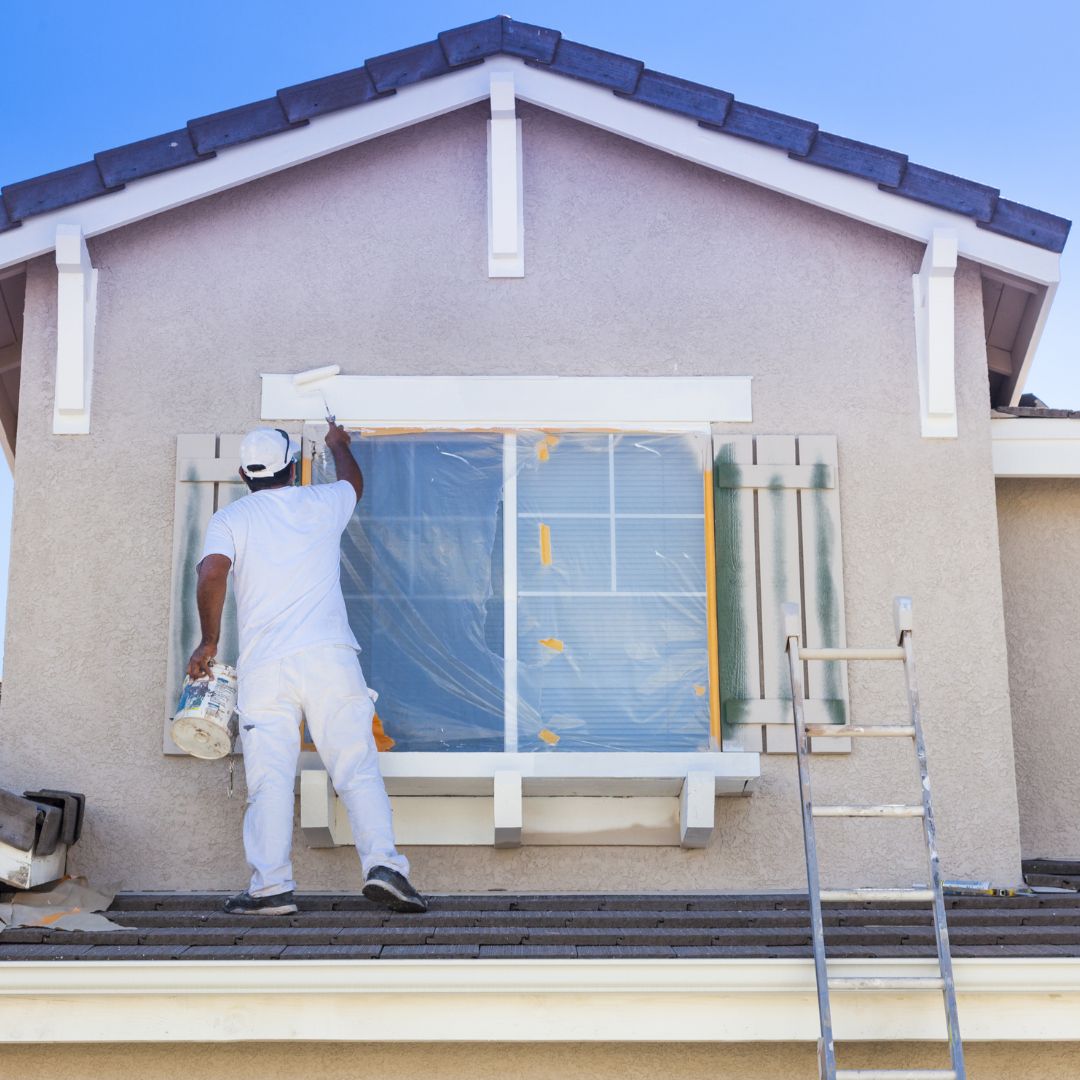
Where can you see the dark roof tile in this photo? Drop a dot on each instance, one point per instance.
(147, 157)
(595, 66)
(467, 44)
(396, 69)
(679, 95)
(530, 42)
(858, 158)
(1028, 224)
(5, 221)
(53, 190)
(240, 125)
(320, 96)
(764, 126)
(947, 191)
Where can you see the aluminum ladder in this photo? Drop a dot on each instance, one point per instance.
(903, 653)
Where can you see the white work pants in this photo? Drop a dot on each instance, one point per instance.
(326, 685)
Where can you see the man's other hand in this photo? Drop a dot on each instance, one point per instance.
(199, 664)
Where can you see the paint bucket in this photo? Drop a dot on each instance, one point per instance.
(205, 722)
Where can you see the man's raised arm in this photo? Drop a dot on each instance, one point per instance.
(345, 465)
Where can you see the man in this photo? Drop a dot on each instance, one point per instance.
(297, 656)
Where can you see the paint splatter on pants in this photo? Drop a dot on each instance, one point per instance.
(325, 685)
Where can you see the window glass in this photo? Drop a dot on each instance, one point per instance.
(606, 581)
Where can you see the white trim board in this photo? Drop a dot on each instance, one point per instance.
(762, 165)
(513, 400)
(1000, 1000)
(1035, 447)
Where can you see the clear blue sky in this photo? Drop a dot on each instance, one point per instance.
(986, 89)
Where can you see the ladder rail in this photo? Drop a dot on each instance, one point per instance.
(902, 651)
(826, 1043)
(941, 929)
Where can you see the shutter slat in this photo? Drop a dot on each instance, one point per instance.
(736, 590)
(823, 576)
(192, 509)
(780, 572)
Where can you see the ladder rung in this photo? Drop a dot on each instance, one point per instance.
(852, 654)
(890, 982)
(854, 895)
(881, 811)
(842, 731)
(895, 1074)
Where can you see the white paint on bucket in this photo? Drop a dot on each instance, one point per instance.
(205, 724)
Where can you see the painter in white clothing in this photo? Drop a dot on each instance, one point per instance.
(281, 545)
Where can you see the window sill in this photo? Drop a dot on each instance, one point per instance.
(649, 799)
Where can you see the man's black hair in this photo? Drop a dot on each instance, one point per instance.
(279, 479)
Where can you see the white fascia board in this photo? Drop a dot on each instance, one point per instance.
(76, 315)
(689, 1000)
(514, 401)
(762, 165)
(238, 165)
(1035, 447)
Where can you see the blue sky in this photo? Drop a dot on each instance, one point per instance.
(989, 90)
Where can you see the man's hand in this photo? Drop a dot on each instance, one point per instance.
(336, 437)
(339, 443)
(201, 659)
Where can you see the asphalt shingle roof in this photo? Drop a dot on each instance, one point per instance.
(538, 46)
(510, 926)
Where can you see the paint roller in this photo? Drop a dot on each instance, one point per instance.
(308, 379)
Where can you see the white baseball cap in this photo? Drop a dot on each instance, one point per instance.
(266, 451)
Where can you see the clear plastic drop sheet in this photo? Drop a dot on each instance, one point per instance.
(604, 588)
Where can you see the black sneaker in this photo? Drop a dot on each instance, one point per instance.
(245, 904)
(391, 889)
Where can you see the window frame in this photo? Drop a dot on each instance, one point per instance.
(314, 431)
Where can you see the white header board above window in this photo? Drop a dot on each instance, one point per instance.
(512, 401)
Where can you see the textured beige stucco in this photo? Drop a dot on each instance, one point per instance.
(1039, 525)
(527, 1061)
(637, 263)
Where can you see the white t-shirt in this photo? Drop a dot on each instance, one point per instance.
(285, 547)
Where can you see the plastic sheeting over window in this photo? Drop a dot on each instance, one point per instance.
(531, 591)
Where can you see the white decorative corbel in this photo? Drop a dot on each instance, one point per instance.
(506, 229)
(935, 336)
(76, 311)
(508, 808)
(697, 809)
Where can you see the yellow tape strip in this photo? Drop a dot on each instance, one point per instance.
(552, 643)
(710, 612)
(545, 545)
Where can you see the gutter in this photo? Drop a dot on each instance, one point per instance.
(685, 1000)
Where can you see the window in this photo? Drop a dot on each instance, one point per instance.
(532, 591)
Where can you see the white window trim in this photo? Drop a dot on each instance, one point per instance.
(654, 403)
(619, 1000)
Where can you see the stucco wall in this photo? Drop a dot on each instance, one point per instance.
(1039, 526)
(492, 1061)
(637, 263)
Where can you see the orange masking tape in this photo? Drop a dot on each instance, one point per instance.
(545, 545)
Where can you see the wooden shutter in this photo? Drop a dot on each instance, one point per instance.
(777, 514)
(206, 480)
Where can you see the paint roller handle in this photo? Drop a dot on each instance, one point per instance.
(336, 436)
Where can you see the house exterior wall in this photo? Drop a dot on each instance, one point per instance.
(637, 263)
(1039, 527)
(481, 1061)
